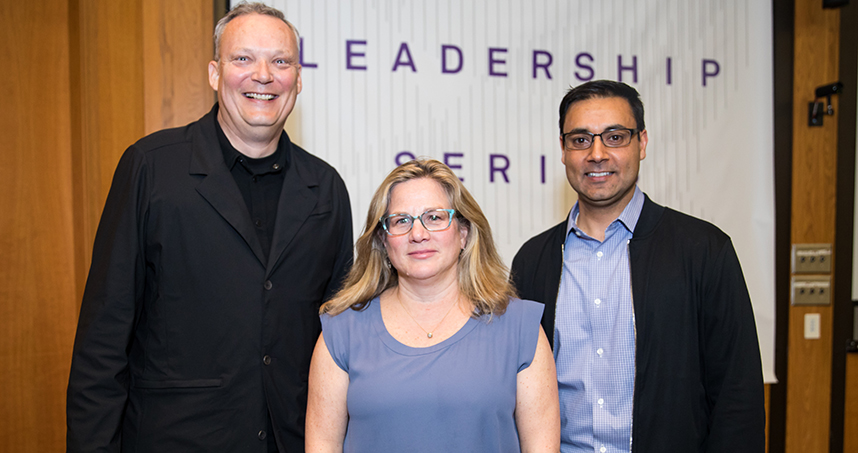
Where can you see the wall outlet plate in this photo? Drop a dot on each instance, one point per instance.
(812, 326)
(811, 258)
(811, 290)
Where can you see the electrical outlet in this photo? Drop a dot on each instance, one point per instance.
(811, 326)
(811, 258)
(811, 290)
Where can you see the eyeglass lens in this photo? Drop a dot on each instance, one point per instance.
(610, 138)
(433, 220)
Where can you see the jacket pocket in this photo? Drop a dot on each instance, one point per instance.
(177, 383)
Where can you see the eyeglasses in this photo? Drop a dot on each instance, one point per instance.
(432, 220)
(612, 138)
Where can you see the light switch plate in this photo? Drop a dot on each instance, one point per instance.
(811, 290)
(811, 326)
(811, 258)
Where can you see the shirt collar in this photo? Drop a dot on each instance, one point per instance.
(628, 218)
(278, 161)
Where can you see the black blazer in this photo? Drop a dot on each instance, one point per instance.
(188, 335)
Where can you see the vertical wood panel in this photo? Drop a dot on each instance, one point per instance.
(119, 96)
(177, 47)
(850, 428)
(813, 208)
(37, 308)
(73, 90)
(107, 106)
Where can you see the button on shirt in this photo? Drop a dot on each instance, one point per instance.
(260, 182)
(594, 336)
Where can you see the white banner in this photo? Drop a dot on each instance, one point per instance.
(477, 84)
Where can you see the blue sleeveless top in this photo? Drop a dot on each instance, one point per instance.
(455, 396)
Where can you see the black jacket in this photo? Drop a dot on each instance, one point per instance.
(698, 374)
(188, 335)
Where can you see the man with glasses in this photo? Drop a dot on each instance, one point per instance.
(218, 243)
(648, 312)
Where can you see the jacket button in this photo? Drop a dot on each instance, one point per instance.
(267, 359)
(261, 435)
(268, 284)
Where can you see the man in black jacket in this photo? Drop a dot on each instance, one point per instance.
(647, 308)
(218, 243)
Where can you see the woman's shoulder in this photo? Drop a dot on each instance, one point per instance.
(518, 330)
(349, 316)
(524, 308)
(519, 312)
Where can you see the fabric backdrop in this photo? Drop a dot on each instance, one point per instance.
(477, 84)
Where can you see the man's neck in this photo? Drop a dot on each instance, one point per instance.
(595, 220)
(254, 146)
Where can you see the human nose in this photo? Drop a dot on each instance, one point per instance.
(262, 72)
(418, 232)
(598, 151)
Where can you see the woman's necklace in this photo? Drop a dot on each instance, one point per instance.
(428, 332)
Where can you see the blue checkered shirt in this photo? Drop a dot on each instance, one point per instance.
(594, 336)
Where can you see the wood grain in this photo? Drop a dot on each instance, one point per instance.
(177, 47)
(74, 86)
(813, 221)
(37, 287)
(107, 106)
(850, 427)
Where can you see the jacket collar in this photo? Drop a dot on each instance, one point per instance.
(651, 215)
(298, 197)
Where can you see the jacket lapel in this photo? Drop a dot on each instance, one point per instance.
(218, 187)
(297, 201)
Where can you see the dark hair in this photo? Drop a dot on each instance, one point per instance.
(604, 89)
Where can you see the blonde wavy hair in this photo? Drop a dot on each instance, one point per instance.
(483, 277)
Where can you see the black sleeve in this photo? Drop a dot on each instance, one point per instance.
(98, 382)
(536, 271)
(733, 378)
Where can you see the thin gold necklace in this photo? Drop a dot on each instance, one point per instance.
(428, 332)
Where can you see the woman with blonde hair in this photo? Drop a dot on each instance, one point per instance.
(426, 347)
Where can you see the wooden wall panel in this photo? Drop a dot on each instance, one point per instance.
(37, 287)
(107, 106)
(75, 78)
(119, 96)
(850, 428)
(813, 221)
(177, 47)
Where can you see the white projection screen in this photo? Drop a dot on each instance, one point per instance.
(477, 85)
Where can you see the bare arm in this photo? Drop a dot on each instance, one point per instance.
(537, 406)
(327, 412)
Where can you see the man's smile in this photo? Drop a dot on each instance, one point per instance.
(598, 174)
(260, 96)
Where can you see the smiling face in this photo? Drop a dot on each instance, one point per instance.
(257, 77)
(603, 177)
(420, 255)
